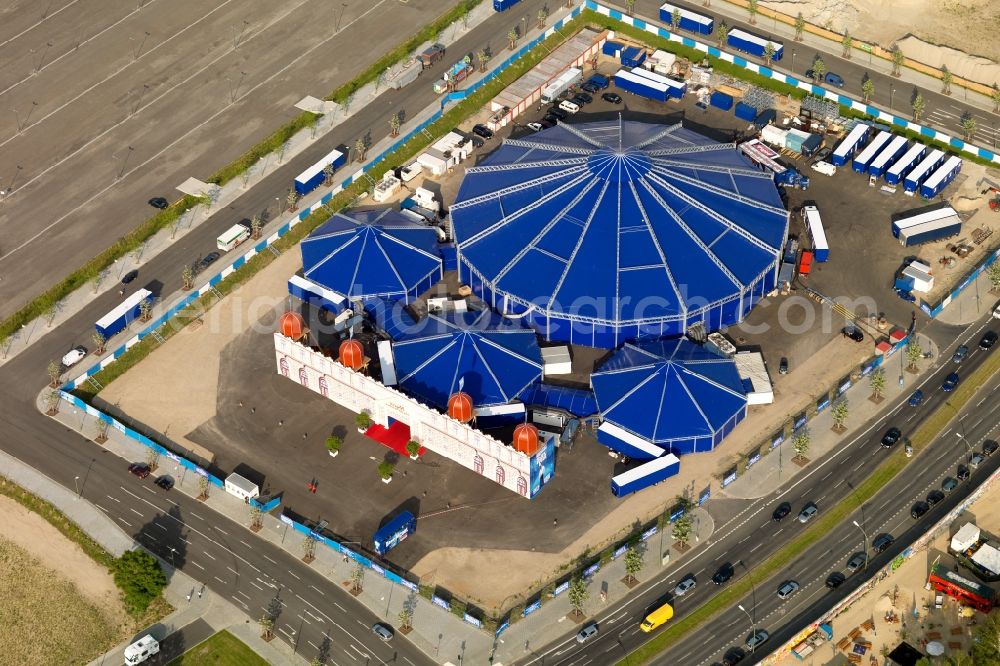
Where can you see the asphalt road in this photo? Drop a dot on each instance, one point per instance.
(746, 533)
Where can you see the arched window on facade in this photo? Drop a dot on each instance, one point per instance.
(500, 475)
(303, 377)
(477, 464)
(522, 486)
(324, 387)
(283, 364)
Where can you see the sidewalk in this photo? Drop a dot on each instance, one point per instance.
(974, 301)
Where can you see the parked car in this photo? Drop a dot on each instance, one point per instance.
(890, 437)
(962, 473)
(569, 107)
(548, 121)
(835, 580)
(614, 98)
(724, 574)
(960, 353)
(383, 631)
(822, 154)
(165, 482)
(686, 585)
(783, 366)
(976, 459)
(934, 496)
(130, 276)
(208, 260)
(916, 398)
(482, 130)
(783, 510)
(73, 356)
(733, 656)
(857, 561)
(787, 589)
(919, 509)
(537, 127)
(590, 88)
(829, 77)
(588, 632)
(756, 639)
(990, 447)
(854, 333)
(950, 382)
(159, 203)
(949, 484)
(558, 113)
(582, 98)
(140, 470)
(807, 512)
(988, 340)
(881, 542)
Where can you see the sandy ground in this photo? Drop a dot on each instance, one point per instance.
(54, 551)
(924, 29)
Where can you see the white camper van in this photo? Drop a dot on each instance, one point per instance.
(141, 650)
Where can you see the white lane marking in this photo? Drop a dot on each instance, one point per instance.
(220, 580)
(100, 507)
(257, 586)
(162, 527)
(207, 554)
(340, 607)
(294, 576)
(197, 565)
(196, 515)
(135, 512)
(148, 536)
(234, 570)
(269, 560)
(243, 593)
(125, 521)
(245, 543)
(221, 530)
(316, 588)
(114, 498)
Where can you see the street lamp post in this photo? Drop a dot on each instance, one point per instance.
(172, 551)
(864, 544)
(962, 436)
(76, 480)
(891, 91)
(753, 588)
(753, 626)
(340, 16)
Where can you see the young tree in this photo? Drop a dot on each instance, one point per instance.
(800, 443)
(578, 595)
(292, 200)
(629, 7)
(54, 371)
(203, 485)
(308, 548)
(752, 11)
(145, 310)
(541, 16)
(840, 412)
(876, 380)
(333, 445)
(328, 175)
(768, 53)
(256, 517)
(867, 89)
(187, 276)
(633, 563)
(412, 448)
(995, 96)
(385, 470)
(52, 402)
(139, 577)
(800, 26)
(49, 313)
(682, 530)
(394, 124)
(5, 339)
(819, 69)
(968, 126)
(380, 79)
(95, 282)
(913, 353)
(100, 342)
(360, 150)
(946, 79)
(847, 42)
(483, 58)
(512, 38)
(897, 60)
(266, 626)
(406, 616)
(675, 19)
(357, 578)
(256, 227)
(721, 33)
(918, 106)
(993, 275)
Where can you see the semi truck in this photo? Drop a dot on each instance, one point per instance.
(431, 55)
(503, 5)
(741, 40)
(645, 475)
(561, 84)
(690, 21)
(927, 224)
(311, 178)
(124, 314)
(394, 532)
(458, 73)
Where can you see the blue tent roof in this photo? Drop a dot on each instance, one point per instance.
(670, 391)
(372, 253)
(619, 223)
(476, 352)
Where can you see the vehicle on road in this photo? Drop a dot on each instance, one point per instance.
(733, 656)
(835, 580)
(990, 447)
(962, 473)
(787, 589)
(756, 639)
(919, 509)
(975, 460)
(783, 510)
(881, 542)
(916, 398)
(783, 366)
(482, 130)
(537, 127)
(383, 631)
(130, 276)
(208, 260)
(906, 295)
(140, 470)
(950, 382)
(165, 482)
(890, 437)
(949, 484)
(807, 512)
(159, 203)
(934, 496)
(74, 356)
(854, 333)
(141, 650)
(831, 78)
(996, 312)
(657, 618)
(960, 353)
(588, 632)
(614, 98)
(686, 585)
(723, 574)
(857, 561)
(988, 340)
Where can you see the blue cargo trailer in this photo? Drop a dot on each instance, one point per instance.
(633, 56)
(503, 5)
(941, 177)
(850, 144)
(905, 164)
(930, 231)
(394, 532)
(923, 169)
(690, 21)
(613, 49)
(637, 85)
(887, 156)
(599, 82)
(645, 475)
(765, 118)
(745, 111)
(311, 178)
(721, 100)
(124, 314)
(921, 216)
(863, 159)
(814, 227)
(675, 89)
(741, 40)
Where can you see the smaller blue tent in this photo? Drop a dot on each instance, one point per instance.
(479, 353)
(667, 394)
(373, 253)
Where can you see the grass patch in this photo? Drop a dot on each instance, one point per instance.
(221, 649)
(271, 144)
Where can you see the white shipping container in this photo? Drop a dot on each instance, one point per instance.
(773, 135)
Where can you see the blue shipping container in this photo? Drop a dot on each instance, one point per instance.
(748, 42)
(504, 5)
(766, 117)
(633, 56)
(645, 475)
(637, 85)
(690, 21)
(124, 314)
(721, 100)
(394, 532)
(599, 82)
(941, 177)
(745, 111)
(613, 49)
(311, 178)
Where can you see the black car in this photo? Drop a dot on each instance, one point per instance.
(834, 580)
(890, 437)
(783, 510)
(963, 473)
(582, 98)
(934, 496)
(483, 131)
(548, 121)
(724, 573)
(918, 510)
(822, 154)
(589, 87)
(159, 202)
(854, 333)
(165, 482)
(733, 656)
(783, 366)
(988, 340)
(128, 277)
(208, 259)
(612, 97)
(558, 113)
(990, 447)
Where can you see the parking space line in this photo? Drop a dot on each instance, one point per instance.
(197, 565)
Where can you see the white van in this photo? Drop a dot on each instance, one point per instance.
(141, 650)
(568, 106)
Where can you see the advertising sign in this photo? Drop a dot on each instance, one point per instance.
(619, 552)
(752, 460)
(591, 570)
(531, 608)
(503, 627)
(729, 477)
(778, 439)
(650, 532)
(443, 603)
(560, 588)
(705, 496)
(474, 621)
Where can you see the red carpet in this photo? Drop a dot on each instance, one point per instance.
(395, 436)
